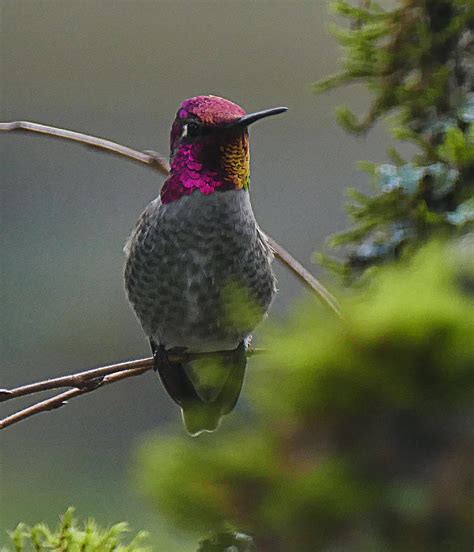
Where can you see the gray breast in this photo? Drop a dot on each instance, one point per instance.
(195, 266)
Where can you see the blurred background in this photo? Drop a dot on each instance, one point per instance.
(119, 70)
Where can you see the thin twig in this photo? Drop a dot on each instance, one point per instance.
(88, 381)
(60, 400)
(305, 276)
(79, 380)
(149, 158)
(157, 162)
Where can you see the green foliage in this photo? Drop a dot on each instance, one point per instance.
(403, 56)
(69, 536)
(458, 148)
(416, 61)
(360, 439)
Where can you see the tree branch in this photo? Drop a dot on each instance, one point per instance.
(157, 162)
(305, 276)
(88, 381)
(150, 158)
(79, 380)
(60, 400)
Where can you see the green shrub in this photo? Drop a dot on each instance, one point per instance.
(70, 536)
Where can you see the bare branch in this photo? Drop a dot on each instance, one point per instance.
(157, 162)
(79, 380)
(60, 400)
(88, 381)
(305, 276)
(154, 160)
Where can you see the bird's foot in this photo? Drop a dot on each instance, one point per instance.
(161, 357)
(172, 374)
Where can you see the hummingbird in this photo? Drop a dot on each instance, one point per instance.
(197, 256)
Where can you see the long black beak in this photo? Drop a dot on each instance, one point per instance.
(247, 120)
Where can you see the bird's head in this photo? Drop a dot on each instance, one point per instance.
(209, 147)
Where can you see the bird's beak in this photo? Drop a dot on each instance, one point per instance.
(247, 120)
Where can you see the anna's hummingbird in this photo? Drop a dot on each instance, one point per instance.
(197, 256)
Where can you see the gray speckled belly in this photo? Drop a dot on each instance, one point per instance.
(181, 259)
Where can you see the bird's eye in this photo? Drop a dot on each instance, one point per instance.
(193, 129)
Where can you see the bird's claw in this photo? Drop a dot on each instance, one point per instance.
(160, 358)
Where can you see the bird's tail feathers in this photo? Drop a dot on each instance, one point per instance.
(227, 374)
(206, 390)
(200, 417)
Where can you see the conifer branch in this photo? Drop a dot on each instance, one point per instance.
(88, 381)
(157, 162)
